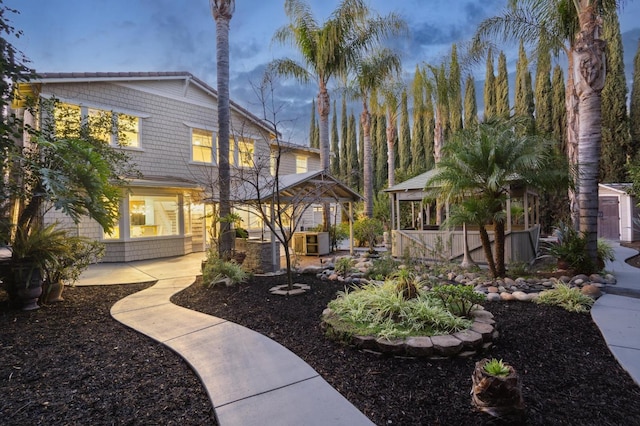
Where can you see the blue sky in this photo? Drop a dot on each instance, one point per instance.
(164, 35)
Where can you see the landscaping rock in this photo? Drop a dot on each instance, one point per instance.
(493, 297)
(419, 346)
(591, 291)
(521, 296)
(506, 296)
(469, 338)
(484, 329)
(393, 347)
(446, 345)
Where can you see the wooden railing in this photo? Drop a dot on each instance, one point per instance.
(520, 246)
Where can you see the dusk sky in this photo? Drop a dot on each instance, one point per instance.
(163, 35)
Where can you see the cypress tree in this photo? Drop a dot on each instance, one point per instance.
(335, 143)
(360, 156)
(381, 164)
(404, 135)
(418, 159)
(502, 88)
(616, 143)
(543, 93)
(559, 111)
(470, 106)
(313, 142)
(354, 167)
(634, 107)
(524, 94)
(428, 129)
(344, 141)
(455, 92)
(489, 89)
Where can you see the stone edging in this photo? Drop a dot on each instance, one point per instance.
(463, 343)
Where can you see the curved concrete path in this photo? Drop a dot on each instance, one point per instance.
(250, 379)
(617, 312)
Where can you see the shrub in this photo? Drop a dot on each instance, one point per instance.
(381, 311)
(344, 266)
(216, 269)
(566, 297)
(458, 299)
(407, 283)
(382, 267)
(367, 230)
(572, 248)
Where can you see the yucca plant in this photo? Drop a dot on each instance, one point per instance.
(406, 283)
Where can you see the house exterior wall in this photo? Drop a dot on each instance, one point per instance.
(627, 211)
(168, 110)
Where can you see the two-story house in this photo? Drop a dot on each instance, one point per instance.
(171, 136)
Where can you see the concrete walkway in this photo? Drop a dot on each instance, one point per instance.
(250, 379)
(617, 312)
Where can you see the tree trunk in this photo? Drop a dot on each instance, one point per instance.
(589, 74)
(498, 396)
(222, 12)
(499, 239)
(486, 246)
(323, 111)
(391, 153)
(572, 140)
(365, 120)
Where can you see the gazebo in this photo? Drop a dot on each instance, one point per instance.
(416, 224)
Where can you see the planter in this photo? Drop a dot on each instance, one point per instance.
(26, 287)
(499, 396)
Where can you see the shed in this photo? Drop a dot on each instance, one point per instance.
(617, 210)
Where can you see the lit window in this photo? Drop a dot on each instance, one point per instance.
(186, 213)
(153, 216)
(115, 232)
(128, 130)
(100, 124)
(201, 146)
(245, 152)
(273, 163)
(301, 164)
(67, 120)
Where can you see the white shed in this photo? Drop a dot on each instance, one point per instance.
(616, 212)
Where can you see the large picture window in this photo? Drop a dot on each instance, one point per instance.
(153, 215)
(246, 151)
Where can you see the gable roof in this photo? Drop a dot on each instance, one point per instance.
(83, 77)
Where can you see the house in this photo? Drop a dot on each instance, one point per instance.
(171, 135)
(617, 210)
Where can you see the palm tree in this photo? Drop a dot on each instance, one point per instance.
(222, 11)
(330, 50)
(370, 73)
(392, 92)
(572, 27)
(476, 170)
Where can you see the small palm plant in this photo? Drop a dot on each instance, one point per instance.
(406, 283)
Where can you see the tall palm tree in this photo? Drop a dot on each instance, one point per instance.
(476, 170)
(370, 73)
(222, 11)
(572, 27)
(330, 50)
(392, 91)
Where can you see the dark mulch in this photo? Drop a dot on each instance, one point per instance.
(71, 363)
(569, 376)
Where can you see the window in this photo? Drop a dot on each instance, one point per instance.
(128, 130)
(153, 215)
(273, 163)
(186, 213)
(301, 164)
(201, 146)
(67, 120)
(231, 151)
(101, 124)
(115, 232)
(245, 152)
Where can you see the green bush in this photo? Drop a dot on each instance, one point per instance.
(367, 230)
(344, 266)
(572, 248)
(458, 299)
(382, 267)
(566, 297)
(215, 269)
(379, 310)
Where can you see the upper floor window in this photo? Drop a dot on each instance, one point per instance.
(231, 151)
(201, 146)
(302, 164)
(121, 129)
(246, 151)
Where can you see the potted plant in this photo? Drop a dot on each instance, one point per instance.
(496, 389)
(79, 253)
(32, 248)
(571, 250)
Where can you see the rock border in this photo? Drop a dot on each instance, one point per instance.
(281, 290)
(479, 337)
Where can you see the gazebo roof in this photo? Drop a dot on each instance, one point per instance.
(417, 183)
(310, 187)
